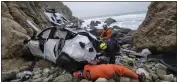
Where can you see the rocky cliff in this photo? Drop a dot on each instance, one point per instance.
(158, 31)
(15, 28)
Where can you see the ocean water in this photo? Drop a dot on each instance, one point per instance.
(131, 21)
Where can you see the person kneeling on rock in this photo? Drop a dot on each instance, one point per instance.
(93, 72)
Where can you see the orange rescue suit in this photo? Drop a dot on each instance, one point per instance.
(107, 71)
(106, 34)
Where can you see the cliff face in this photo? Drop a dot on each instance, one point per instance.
(15, 28)
(158, 31)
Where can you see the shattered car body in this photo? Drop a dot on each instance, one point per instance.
(54, 43)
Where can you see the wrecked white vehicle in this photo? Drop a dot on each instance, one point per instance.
(66, 47)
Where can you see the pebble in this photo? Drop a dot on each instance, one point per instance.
(16, 80)
(37, 72)
(101, 80)
(23, 68)
(37, 76)
(36, 69)
(84, 80)
(63, 78)
(45, 74)
(18, 75)
(160, 73)
(111, 80)
(160, 66)
(46, 80)
(169, 77)
(124, 79)
(37, 80)
(28, 63)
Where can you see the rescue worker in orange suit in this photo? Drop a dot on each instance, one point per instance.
(106, 33)
(93, 72)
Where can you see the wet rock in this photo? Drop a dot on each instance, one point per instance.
(44, 64)
(124, 79)
(16, 80)
(37, 80)
(110, 21)
(160, 73)
(161, 66)
(36, 69)
(18, 75)
(156, 33)
(111, 80)
(37, 76)
(23, 68)
(47, 80)
(101, 80)
(9, 75)
(37, 72)
(84, 80)
(75, 79)
(54, 75)
(63, 78)
(46, 72)
(169, 77)
(29, 63)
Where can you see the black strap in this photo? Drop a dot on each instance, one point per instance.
(52, 32)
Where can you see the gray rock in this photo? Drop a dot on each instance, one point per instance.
(8, 75)
(84, 80)
(37, 72)
(55, 75)
(29, 63)
(165, 81)
(161, 66)
(101, 80)
(36, 69)
(169, 77)
(75, 79)
(160, 73)
(46, 70)
(111, 80)
(37, 76)
(18, 75)
(46, 80)
(124, 79)
(16, 80)
(64, 78)
(45, 74)
(109, 21)
(37, 80)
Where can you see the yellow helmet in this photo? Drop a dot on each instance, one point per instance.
(103, 46)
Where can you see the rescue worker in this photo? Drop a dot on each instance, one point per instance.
(93, 72)
(110, 49)
(106, 33)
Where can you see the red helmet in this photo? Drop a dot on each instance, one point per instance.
(78, 74)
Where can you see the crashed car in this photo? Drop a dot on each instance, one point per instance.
(65, 47)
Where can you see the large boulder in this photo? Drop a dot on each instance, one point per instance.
(94, 23)
(13, 36)
(109, 21)
(158, 31)
(5, 11)
(19, 16)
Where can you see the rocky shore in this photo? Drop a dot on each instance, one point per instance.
(157, 33)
